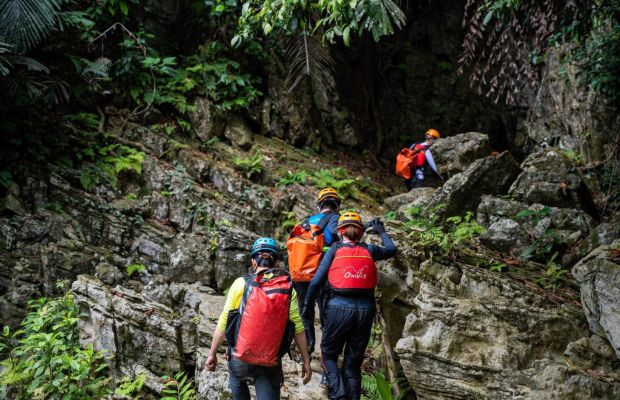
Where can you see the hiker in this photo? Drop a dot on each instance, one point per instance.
(349, 274)
(259, 318)
(411, 163)
(306, 245)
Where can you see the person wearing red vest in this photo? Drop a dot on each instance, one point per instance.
(421, 159)
(349, 275)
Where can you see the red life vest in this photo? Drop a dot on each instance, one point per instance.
(260, 331)
(420, 155)
(352, 271)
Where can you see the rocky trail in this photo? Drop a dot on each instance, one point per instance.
(452, 326)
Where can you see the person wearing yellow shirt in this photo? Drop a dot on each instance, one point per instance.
(259, 340)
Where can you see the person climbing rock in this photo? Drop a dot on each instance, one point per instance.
(349, 274)
(260, 317)
(306, 245)
(411, 162)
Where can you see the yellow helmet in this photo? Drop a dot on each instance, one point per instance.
(350, 218)
(434, 133)
(327, 193)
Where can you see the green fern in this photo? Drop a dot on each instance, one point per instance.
(338, 179)
(25, 23)
(133, 268)
(130, 386)
(251, 166)
(178, 388)
(291, 178)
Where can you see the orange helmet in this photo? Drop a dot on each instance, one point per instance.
(350, 218)
(434, 133)
(327, 193)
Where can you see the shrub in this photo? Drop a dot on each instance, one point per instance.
(47, 361)
(434, 235)
(133, 268)
(178, 388)
(291, 178)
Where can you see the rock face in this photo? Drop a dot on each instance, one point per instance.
(599, 277)
(569, 114)
(238, 132)
(462, 192)
(548, 179)
(454, 154)
(472, 333)
(508, 233)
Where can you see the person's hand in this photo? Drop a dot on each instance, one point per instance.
(211, 362)
(377, 225)
(306, 372)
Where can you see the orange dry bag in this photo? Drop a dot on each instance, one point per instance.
(403, 163)
(305, 247)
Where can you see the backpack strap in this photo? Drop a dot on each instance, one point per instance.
(323, 223)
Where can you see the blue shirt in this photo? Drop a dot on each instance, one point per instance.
(387, 250)
(331, 229)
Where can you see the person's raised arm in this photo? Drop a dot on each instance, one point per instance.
(431, 163)
(387, 248)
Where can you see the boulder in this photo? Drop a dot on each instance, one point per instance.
(605, 233)
(204, 119)
(414, 196)
(507, 233)
(598, 275)
(549, 179)
(455, 153)
(239, 133)
(462, 192)
(475, 334)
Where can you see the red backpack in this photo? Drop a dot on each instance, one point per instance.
(352, 270)
(259, 331)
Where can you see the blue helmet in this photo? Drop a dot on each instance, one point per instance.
(264, 244)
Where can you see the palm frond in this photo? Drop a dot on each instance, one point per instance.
(308, 58)
(24, 23)
(379, 17)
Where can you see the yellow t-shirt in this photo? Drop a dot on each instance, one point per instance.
(233, 301)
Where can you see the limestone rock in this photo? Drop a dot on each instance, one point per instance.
(205, 121)
(455, 153)
(507, 233)
(462, 192)
(238, 132)
(416, 196)
(599, 277)
(548, 179)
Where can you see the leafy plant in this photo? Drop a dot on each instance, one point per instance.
(542, 245)
(390, 216)
(376, 387)
(133, 268)
(497, 266)
(128, 386)
(5, 178)
(434, 235)
(47, 361)
(178, 388)
(291, 178)
(289, 220)
(25, 23)
(553, 274)
(338, 179)
(251, 166)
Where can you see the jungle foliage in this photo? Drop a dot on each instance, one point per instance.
(506, 43)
